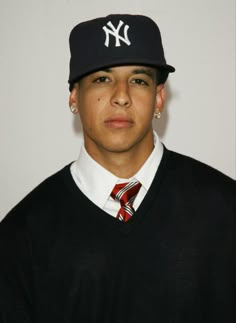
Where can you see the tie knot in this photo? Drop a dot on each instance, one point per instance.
(126, 193)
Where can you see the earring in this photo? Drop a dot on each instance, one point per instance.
(73, 109)
(157, 115)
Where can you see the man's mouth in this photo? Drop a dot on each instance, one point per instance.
(118, 122)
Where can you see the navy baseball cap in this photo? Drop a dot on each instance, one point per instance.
(116, 40)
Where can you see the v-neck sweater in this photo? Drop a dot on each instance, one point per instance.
(63, 259)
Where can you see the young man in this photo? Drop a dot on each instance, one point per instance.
(130, 232)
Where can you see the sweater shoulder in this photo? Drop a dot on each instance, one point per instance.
(190, 172)
(41, 199)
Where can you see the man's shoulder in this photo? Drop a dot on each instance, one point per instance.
(189, 171)
(43, 197)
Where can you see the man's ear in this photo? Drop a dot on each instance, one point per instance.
(73, 99)
(160, 98)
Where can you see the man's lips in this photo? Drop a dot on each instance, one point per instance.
(118, 122)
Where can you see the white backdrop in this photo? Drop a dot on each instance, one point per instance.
(38, 133)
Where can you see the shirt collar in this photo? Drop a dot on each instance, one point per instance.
(98, 182)
(147, 172)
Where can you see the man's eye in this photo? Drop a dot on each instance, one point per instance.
(139, 81)
(101, 79)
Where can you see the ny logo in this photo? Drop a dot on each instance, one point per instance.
(115, 32)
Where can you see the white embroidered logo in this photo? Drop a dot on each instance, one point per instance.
(115, 32)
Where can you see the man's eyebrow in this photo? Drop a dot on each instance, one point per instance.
(107, 70)
(145, 71)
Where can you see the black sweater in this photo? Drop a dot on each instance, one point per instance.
(64, 260)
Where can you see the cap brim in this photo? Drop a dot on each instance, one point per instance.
(166, 69)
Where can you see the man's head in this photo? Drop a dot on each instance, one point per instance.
(116, 40)
(117, 75)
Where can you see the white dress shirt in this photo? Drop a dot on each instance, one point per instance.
(97, 183)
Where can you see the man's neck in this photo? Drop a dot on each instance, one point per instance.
(122, 164)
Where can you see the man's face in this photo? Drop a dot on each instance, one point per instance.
(116, 107)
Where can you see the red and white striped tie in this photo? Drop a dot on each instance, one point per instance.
(125, 193)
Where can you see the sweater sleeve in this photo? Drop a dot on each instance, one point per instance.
(15, 270)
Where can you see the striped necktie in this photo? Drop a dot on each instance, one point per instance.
(125, 193)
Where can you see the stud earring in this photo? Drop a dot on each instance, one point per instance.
(157, 115)
(73, 109)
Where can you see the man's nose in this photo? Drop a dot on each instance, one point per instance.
(121, 95)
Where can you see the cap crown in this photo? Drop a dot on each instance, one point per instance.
(115, 40)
